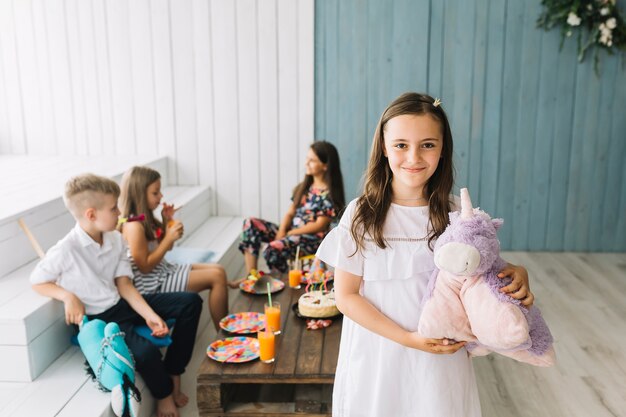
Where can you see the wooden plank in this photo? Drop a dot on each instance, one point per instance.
(613, 223)
(268, 109)
(203, 67)
(476, 128)
(526, 131)
(493, 107)
(559, 163)
(142, 77)
(164, 84)
(119, 52)
(227, 137)
(435, 49)
(539, 196)
(510, 112)
(89, 68)
(28, 76)
(289, 167)
(599, 174)
(319, 96)
(184, 86)
(16, 137)
(248, 82)
(305, 73)
(459, 34)
(105, 89)
(76, 77)
(330, 352)
(351, 132)
(289, 350)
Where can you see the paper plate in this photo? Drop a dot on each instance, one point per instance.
(247, 322)
(234, 349)
(248, 286)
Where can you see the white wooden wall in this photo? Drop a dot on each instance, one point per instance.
(222, 87)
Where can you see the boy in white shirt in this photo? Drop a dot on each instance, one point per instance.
(90, 272)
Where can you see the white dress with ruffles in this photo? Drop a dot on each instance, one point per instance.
(378, 377)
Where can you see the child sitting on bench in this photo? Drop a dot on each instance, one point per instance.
(88, 270)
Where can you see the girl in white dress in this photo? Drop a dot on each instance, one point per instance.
(382, 254)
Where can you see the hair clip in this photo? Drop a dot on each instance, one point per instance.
(436, 103)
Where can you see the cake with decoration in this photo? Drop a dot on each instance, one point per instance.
(318, 304)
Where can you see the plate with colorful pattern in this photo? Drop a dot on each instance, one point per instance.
(249, 287)
(247, 322)
(234, 349)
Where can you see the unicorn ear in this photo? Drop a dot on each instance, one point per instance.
(466, 204)
(497, 223)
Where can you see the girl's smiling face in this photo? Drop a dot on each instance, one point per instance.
(412, 145)
(153, 195)
(313, 166)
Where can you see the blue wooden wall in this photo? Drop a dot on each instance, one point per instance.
(539, 139)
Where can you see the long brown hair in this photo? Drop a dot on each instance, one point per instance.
(373, 204)
(327, 153)
(134, 197)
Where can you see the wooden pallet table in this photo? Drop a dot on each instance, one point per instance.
(298, 383)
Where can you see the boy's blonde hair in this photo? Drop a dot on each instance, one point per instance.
(86, 190)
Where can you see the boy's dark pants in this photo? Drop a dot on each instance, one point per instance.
(185, 307)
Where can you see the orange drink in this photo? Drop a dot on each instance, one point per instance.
(295, 275)
(272, 314)
(266, 346)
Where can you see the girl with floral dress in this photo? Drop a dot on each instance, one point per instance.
(316, 202)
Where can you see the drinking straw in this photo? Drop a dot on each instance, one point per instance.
(297, 256)
(269, 294)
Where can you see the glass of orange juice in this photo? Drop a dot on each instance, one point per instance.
(272, 315)
(295, 276)
(266, 346)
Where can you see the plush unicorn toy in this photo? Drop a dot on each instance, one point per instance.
(112, 363)
(463, 301)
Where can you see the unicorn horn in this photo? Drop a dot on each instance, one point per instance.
(466, 204)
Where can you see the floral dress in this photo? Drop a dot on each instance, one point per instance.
(315, 203)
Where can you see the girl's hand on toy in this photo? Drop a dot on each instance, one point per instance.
(158, 326)
(167, 212)
(519, 288)
(436, 346)
(74, 309)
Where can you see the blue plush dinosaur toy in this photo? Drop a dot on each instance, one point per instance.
(112, 363)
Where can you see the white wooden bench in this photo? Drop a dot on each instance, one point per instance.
(35, 342)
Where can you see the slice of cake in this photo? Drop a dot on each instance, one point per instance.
(318, 304)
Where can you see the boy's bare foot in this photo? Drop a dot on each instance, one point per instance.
(180, 399)
(167, 408)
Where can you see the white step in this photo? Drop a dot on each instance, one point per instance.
(64, 390)
(32, 326)
(38, 200)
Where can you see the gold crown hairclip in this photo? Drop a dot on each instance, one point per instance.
(437, 102)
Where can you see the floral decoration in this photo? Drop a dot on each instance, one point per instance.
(595, 23)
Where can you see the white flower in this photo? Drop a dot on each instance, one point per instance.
(611, 23)
(573, 19)
(569, 33)
(604, 11)
(589, 7)
(606, 39)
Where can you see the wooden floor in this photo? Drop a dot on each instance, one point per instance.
(583, 299)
